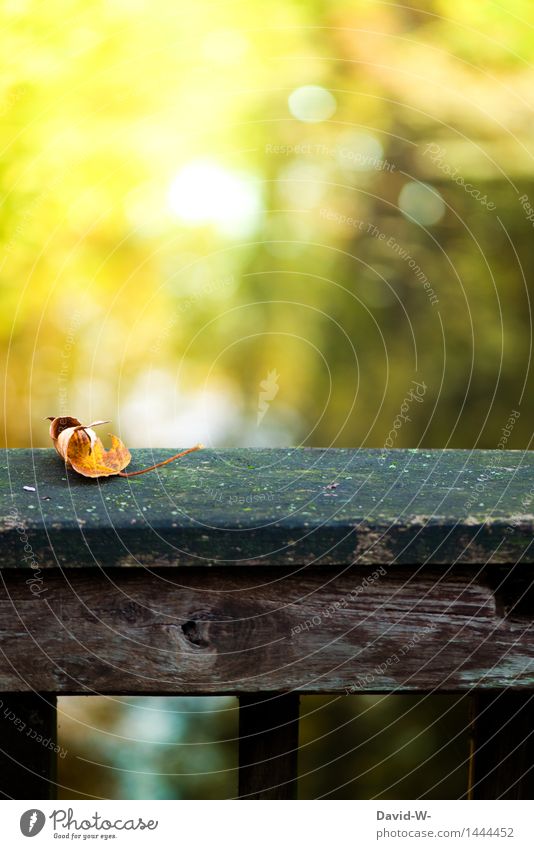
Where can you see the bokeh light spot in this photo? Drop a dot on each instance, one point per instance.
(312, 104)
(359, 151)
(421, 203)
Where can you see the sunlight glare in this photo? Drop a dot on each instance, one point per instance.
(204, 192)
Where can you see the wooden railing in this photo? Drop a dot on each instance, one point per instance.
(268, 574)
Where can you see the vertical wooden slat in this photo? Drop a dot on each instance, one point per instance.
(502, 746)
(28, 735)
(268, 746)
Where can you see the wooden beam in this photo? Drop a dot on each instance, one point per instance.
(28, 740)
(262, 507)
(502, 746)
(268, 746)
(202, 631)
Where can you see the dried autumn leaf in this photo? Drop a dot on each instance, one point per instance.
(82, 449)
(59, 424)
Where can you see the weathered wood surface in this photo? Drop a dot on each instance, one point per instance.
(268, 746)
(204, 631)
(28, 746)
(502, 746)
(271, 507)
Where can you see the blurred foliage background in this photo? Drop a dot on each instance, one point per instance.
(196, 195)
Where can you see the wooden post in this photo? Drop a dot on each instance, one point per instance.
(268, 746)
(28, 735)
(502, 746)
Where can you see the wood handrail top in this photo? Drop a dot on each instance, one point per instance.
(251, 506)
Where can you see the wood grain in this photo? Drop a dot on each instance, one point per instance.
(203, 631)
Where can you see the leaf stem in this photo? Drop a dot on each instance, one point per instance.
(163, 463)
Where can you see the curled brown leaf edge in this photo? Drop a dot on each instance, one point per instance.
(81, 449)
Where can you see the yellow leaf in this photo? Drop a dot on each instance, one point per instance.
(83, 451)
